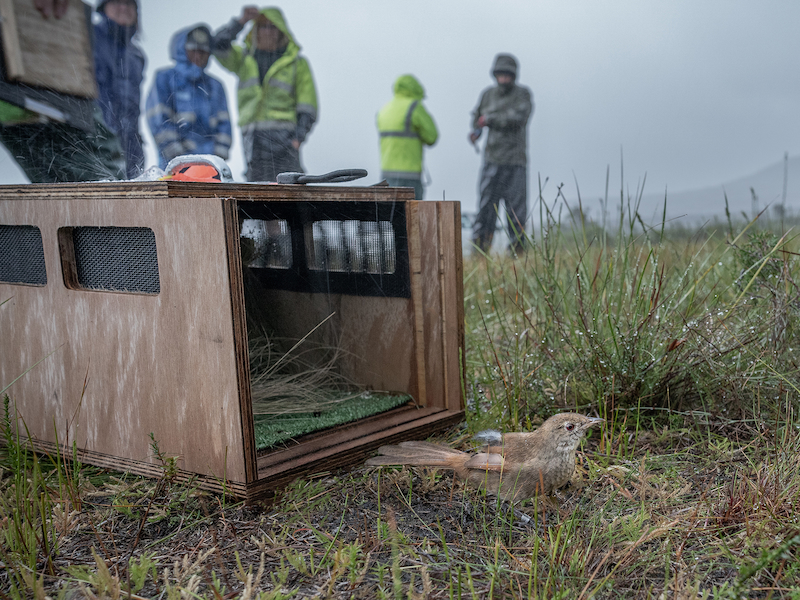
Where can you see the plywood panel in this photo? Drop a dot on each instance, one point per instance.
(241, 191)
(116, 463)
(456, 296)
(240, 339)
(431, 302)
(271, 462)
(50, 53)
(163, 364)
(415, 259)
(452, 292)
(440, 291)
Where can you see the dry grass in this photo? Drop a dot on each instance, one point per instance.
(285, 382)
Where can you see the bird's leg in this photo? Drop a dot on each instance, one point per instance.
(532, 515)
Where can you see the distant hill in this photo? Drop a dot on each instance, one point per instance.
(705, 203)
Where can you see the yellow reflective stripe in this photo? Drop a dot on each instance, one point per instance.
(160, 109)
(221, 117)
(401, 174)
(249, 83)
(408, 114)
(307, 109)
(407, 132)
(282, 85)
(266, 125)
(165, 136)
(400, 134)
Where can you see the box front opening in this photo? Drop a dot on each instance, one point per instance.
(327, 299)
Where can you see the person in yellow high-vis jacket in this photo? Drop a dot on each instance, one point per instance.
(404, 126)
(277, 98)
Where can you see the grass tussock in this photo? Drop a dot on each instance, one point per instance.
(686, 344)
(632, 321)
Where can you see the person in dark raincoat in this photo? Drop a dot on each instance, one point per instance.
(119, 69)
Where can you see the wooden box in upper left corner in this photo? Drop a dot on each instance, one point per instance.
(48, 53)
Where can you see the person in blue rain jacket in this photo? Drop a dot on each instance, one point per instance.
(119, 69)
(187, 110)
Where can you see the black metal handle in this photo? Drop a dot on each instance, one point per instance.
(339, 176)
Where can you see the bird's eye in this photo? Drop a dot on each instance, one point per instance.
(569, 426)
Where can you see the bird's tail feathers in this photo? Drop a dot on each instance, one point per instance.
(422, 454)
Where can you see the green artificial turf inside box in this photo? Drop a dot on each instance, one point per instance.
(272, 430)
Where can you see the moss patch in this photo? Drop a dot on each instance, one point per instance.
(272, 430)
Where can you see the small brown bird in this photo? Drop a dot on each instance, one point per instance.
(513, 466)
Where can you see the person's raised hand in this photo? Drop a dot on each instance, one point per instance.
(248, 14)
(51, 8)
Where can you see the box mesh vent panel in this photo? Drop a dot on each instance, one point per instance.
(22, 255)
(267, 244)
(353, 247)
(119, 259)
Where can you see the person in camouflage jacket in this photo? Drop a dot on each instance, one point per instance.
(504, 110)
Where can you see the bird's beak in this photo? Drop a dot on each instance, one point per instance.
(594, 421)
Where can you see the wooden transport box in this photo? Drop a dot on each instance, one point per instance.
(135, 298)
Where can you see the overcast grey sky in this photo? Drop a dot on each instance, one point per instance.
(692, 93)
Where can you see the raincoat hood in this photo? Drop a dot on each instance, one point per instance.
(275, 16)
(118, 32)
(408, 86)
(505, 63)
(102, 3)
(177, 52)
